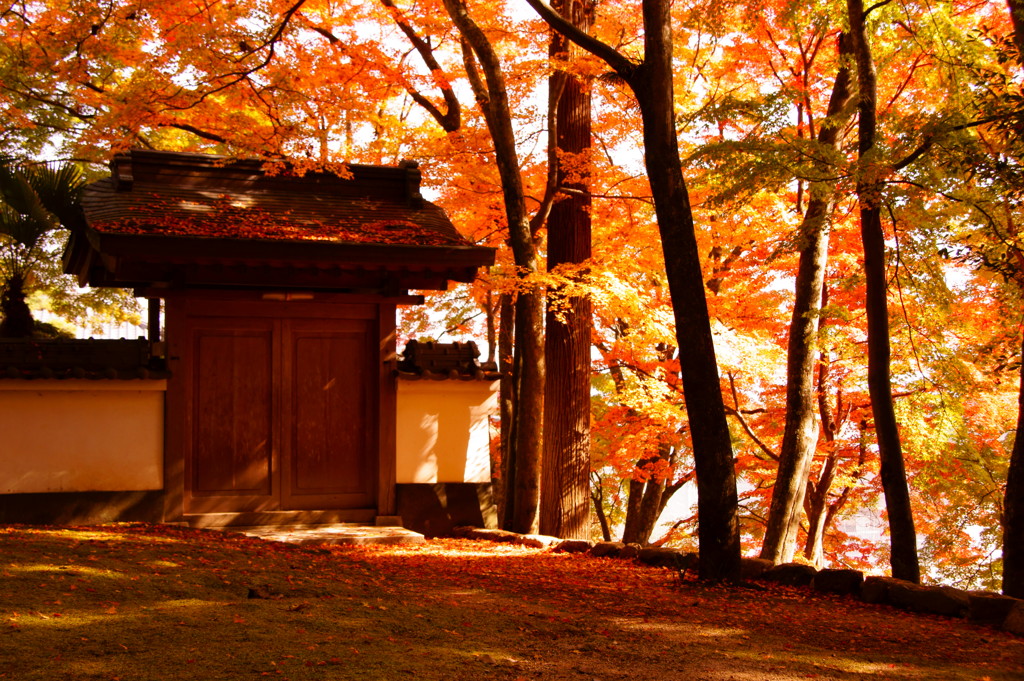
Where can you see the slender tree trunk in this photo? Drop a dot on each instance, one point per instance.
(643, 511)
(902, 535)
(529, 410)
(820, 513)
(816, 500)
(506, 411)
(565, 469)
(631, 531)
(814, 548)
(717, 503)
(1013, 506)
(597, 495)
(800, 437)
(647, 500)
(491, 307)
(492, 97)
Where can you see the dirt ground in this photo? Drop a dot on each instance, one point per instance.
(151, 602)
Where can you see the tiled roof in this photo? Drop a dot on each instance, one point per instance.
(193, 220)
(201, 196)
(441, 361)
(77, 358)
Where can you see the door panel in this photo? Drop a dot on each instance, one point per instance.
(232, 462)
(330, 460)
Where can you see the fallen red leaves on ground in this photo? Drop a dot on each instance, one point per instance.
(448, 609)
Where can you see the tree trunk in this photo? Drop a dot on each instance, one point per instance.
(651, 82)
(597, 495)
(17, 321)
(1017, 16)
(647, 499)
(717, 504)
(492, 97)
(565, 469)
(1013, 506)
(506, 410)
(814, 547)
(800, 437)
(1013, 501)
(645, 511)
(816, 500)
(631, 531)
(529, 410)
(902, 536)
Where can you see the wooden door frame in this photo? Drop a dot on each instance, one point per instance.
(180, 305)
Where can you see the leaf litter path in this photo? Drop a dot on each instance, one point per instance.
(155, 602)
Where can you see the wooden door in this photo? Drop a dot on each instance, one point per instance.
(230, 462)
(330, 455)
(283, 411)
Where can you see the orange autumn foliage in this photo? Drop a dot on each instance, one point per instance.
(333, 82)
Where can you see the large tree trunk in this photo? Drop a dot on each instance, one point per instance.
(800, 437)
(529, 306)
(565, 468)
(903, 538)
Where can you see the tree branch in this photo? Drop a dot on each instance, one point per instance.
(235, 77)
(743, 422)
(451, 120)
(622, 65)
(551, 186)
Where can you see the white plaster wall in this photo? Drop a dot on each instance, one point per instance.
(443, 434)
(81, 435)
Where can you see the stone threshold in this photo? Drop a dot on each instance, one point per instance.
(332, 534)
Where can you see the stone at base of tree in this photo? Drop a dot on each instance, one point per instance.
(754, 568)
(838, 581)
(790, 574)
(936, 600)
(607, 549)
(1014, 622)
(661, 557)
(574, 546)
(875, 589)
(629, 551)
(539, 541)
(501, 536)
(988, 607)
